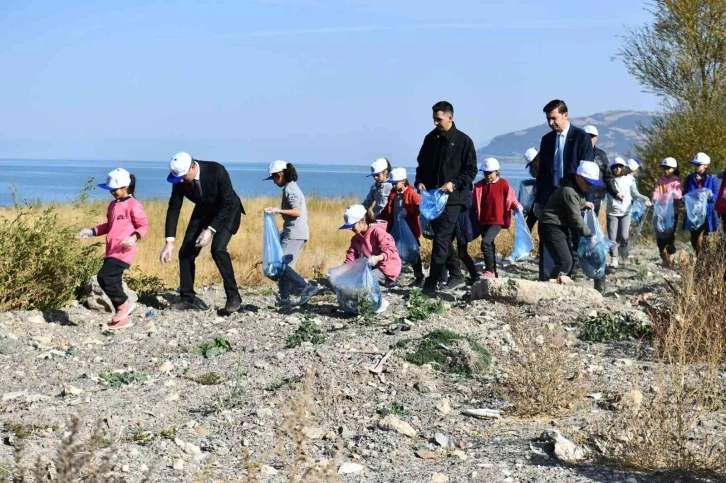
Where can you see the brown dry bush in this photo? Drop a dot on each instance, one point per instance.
(541, 376)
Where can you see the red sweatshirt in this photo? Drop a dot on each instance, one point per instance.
(376, 241)
(493, 202)
(411, 203)
(125, 217)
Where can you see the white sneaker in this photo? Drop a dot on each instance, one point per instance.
(383, 307)
(614, 262)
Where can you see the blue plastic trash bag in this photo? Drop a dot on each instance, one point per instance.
(426, 230)
(664, 216)
(406, 243)
(525, 196)
(523, 243)
(636, 226)
(696, 207)
(273, 258)
(637, 211)
(433, 203)
(592, 251)
(353, 282)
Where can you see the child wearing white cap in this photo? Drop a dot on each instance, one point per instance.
(404, 202)
(377, 197)
(670, 182)
(493, 199)
(701, 178)
(531, 156)
(126, 224)
(295, 231)
(618, 210)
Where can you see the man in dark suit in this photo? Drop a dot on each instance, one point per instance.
(216, 217)
(560, 153)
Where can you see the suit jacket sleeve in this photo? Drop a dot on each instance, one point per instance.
(587, 152)
(468, 168)
(228, 200)
(172, 211)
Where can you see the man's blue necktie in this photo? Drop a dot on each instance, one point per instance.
(559, 163)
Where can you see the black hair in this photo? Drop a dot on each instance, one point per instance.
(289, 173)
(555, 104)
(443, 106)
(534, 166)
(625, 167)
(132, 185)
(676, 171)
(388, 166)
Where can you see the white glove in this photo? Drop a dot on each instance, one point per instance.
(271, 210)
(166, 252)
(648, 203)
(129, 242)
(204, 239)
(85, 234)
(520, 208)
(373, 261)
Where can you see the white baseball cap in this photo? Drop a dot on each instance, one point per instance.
(398, 174)
(353, 215)
(179, 166)
(118, 178)
(633, 165)
(379, 166)
(669, 163)
(591, 172)
(530, 154)
(618, 161)
(489, 165)
(591, 130)
(276, 167)
(701, 158)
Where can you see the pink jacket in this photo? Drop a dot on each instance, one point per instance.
(666, 184)
(125, 218)
(376, 241)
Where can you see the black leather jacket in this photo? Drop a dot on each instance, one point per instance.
(598, 193)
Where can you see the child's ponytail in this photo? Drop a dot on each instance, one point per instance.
(132, 185)
(289, 173)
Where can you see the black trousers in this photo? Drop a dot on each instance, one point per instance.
(696, 237)
(188, 254)
(462, 250)
(443, 255)
(488, 248)
(111, 282)
(557, 240)
(573, 240)
(531, 219)
(668, 244)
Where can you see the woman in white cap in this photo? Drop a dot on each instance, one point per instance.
(618, 210)
(561, 219)
(377, 197)
(701, 178)
(295, 231)
(670, 182)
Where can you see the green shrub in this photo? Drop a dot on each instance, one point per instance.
(613, 326)
(42, 264)
(307, 332)
(118, 379)
(218, 345)
(450, 352)
(419, 306)
(144, 285)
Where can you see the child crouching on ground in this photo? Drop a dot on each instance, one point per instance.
(493, 199)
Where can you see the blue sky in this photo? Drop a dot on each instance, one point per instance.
(323, 81)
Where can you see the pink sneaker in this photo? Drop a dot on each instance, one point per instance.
(121, 324)
(123, 311)
(487, 275)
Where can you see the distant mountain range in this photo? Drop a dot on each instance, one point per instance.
(619, 132)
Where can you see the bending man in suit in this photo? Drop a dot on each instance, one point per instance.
(216, 217)
(560, 153)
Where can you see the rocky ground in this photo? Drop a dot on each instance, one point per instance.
(405, 424)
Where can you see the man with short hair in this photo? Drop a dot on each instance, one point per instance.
(447, 160)
(597, 193)
(560, 153)
(216, 217)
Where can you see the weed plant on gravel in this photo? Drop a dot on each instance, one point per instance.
(217, 346)
(308, 331)
(450, 352)
(613, 326)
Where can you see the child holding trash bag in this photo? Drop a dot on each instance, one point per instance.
(126, 224)
(561, 217)
(619, 210)
(371, 240)
(403, 205)
(528, 187)
(670, 182)
(699, 189)
(295, 232)
(493, 199)
(377, 197)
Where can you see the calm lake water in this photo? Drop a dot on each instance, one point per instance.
(62, 180)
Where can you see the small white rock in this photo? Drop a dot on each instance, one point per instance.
(350, 468)
(179, 464)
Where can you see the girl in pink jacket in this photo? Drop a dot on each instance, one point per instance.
(126, 224)
(372, 241)
(670, 182)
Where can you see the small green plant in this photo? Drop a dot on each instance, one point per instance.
(403, 343)
(218, 345)
(118, 379)
(144, 284)
(397, 409)
(641, 274)
(22, 431)
(613, 326)
(208, 379)
(366, 311)
(169, 433)
(4, 349)
(420, 307)
(233, 396)
(450, 352)
(307, 332)
(280, 383)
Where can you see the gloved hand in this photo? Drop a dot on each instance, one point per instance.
(85, 234)
(204, 238)
(166, 252)
(373, 261)
(520, 208)
(589, 205)
(271, 210)
(129, 242)
(648, 203)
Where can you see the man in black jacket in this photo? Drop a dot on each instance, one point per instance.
(216, 217)
(447, 160)
(597, 193)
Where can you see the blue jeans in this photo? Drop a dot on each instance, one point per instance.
(292, 250)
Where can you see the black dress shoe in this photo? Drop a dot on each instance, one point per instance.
(196, 304)
(233, 304)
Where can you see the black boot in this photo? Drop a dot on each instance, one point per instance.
(600, 285)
